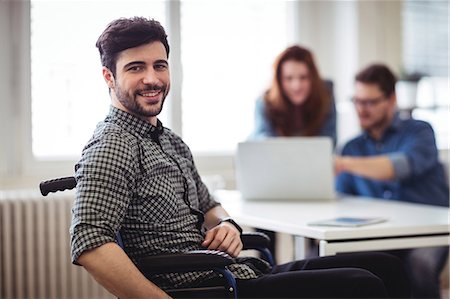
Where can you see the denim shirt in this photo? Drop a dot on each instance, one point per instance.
(419, 176)
(264, 128)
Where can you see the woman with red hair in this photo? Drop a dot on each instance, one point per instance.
(298, 102)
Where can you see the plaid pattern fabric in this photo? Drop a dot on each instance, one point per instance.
(128, 181)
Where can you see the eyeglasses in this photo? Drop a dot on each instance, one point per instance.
(368, 103)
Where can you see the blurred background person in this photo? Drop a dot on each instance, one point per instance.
(395, 159)
(298, 102)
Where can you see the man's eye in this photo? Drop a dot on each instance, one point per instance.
(160, 66)
(135, 68)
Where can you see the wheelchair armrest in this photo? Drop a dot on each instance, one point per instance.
(254, 240)
(258, 241)
(195, 260)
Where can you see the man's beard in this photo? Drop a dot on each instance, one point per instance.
(133, 106)
(378, 124)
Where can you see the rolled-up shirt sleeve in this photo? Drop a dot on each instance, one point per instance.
(206, 200)
(401, 165)
(105, 180)
(417, 154)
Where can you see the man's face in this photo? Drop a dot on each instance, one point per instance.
(142, 80)
(373, 108)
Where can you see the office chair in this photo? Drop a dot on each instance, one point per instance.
(197, 260)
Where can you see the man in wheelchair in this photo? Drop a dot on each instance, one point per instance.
(138, 178)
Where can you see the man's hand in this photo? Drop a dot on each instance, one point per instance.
(224, 237)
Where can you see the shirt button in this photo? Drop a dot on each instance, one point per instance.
(387, 194)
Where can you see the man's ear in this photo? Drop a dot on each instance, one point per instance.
(393, 102)
(393, 99)
(109, 77)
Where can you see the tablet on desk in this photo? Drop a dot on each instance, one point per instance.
(348, 221)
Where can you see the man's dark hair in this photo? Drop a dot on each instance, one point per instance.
(380, 75)
(122, 34)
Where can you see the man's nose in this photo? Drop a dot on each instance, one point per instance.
(150, 77)
(360, 108)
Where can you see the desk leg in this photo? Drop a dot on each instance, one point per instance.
(325, 249)
(300, 246)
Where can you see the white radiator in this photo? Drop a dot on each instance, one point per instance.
(35, 249)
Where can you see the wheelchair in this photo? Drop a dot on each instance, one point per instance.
(197, 260)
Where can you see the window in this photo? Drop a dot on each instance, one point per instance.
(425, 37)
(432, 104)
(426, 52)
(226, 66)
(228, 48)
(69, 96)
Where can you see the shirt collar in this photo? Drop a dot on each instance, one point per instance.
(396, 122)
(134, 124)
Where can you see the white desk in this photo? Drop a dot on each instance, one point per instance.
(408, 226)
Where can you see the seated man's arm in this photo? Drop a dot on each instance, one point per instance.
(222, 236)
(376, 167)
(105, 181)
(416, 154)
(112, 268)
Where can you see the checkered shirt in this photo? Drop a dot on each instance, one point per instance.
(128, 181)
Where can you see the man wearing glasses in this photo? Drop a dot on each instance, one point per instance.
(395, 159)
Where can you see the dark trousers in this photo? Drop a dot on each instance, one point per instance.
(424, 265)
(355, 275)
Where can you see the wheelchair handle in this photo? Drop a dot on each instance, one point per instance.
(59, 184)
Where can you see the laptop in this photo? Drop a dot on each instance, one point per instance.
(294, 168)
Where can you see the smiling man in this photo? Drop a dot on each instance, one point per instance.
(394, 159)
(138, 178)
